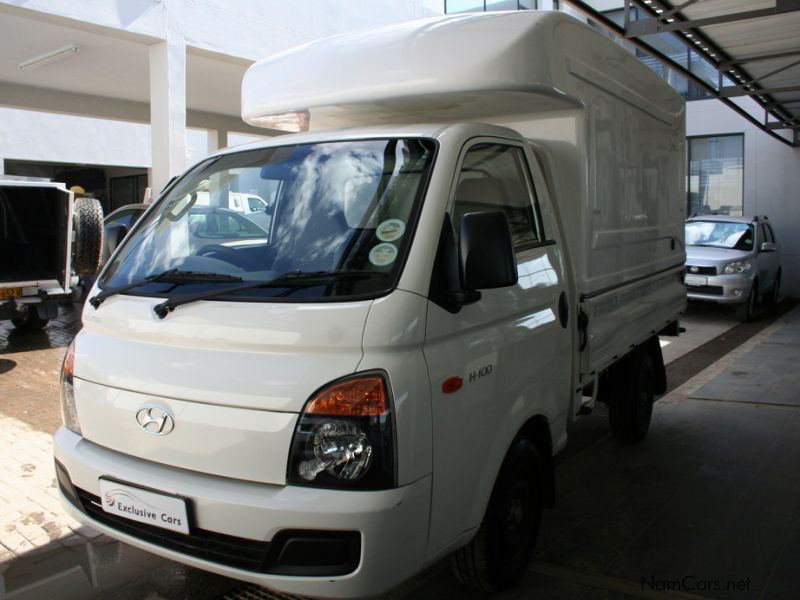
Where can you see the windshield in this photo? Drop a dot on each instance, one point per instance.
(260, 215)
(720, 234)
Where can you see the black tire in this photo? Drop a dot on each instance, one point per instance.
(87, 243)
(498, 556)
(746, 312)
(30, 322)
(630, 405)
(775, 292)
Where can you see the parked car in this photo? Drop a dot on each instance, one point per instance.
(732, 260)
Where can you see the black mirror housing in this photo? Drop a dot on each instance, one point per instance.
(486, 253)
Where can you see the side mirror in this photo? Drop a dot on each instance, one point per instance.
(485, 253)
(767, 247)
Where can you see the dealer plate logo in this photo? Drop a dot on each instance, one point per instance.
(155, 420)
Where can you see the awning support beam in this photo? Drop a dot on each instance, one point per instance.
(658, 24)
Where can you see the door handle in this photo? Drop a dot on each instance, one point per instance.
(563, 310)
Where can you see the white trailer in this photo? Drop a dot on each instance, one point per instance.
(47, 239)
(477, 233)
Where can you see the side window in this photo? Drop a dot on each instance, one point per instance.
(770, 234)
(762, 235)
(495, 177)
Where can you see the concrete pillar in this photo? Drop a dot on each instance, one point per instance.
(168, 108)
(217, 139)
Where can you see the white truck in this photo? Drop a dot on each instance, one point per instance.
(479, 235)
(47, 239)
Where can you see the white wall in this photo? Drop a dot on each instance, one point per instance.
(771, 178)
(48, 137)
(249, 29)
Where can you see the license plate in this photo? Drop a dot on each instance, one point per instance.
(151, 508)
(695, 280)
(6, 293)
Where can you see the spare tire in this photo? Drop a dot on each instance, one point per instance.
(87, 241)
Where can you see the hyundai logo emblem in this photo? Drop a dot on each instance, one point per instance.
(693, 269)
(155, 420)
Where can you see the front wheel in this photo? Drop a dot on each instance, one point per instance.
(774, 295)
(630, 405)
(745, 312)
(497, 557)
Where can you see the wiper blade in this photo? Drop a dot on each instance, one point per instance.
(173, 276)
(292, 279)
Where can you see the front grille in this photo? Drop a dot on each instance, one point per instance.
(715, 290)
(236, 552)
(701, 270)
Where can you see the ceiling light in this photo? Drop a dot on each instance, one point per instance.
(48, 57)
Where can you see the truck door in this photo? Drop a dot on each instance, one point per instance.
(63, 201)
(510, 348)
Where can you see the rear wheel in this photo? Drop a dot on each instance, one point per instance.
(31, 321)
(630, 402)
(745, 312)
(498, 555)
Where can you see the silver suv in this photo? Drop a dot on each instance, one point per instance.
(732, 260)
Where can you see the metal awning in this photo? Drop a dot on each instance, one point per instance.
(752, 48)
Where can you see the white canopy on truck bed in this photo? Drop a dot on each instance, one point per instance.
(608, 131)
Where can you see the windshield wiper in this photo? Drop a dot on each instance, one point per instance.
(292, 279)
(172, 276)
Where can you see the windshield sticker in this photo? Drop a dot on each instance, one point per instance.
(383, 254)
(390, 230)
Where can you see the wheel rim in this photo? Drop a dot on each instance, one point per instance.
(515, 518)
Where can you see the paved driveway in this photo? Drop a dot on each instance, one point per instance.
(713, 494)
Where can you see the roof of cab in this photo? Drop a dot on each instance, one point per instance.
(420, 130)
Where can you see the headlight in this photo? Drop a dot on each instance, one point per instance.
(737, 266)
(345, 438)
(69, 413)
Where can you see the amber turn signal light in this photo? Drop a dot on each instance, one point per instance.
(361, 397)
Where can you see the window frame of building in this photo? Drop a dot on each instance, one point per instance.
(689, 191)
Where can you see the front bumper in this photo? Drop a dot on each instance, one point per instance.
(723, 289)
(388, 527)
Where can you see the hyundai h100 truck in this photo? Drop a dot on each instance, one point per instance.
(466, 251)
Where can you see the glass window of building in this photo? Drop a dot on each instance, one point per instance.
(462, 6)
(716, 167)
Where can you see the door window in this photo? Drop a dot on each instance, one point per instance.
(495, 177)
(770, 235)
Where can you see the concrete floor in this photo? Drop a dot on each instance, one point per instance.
(707, 507)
